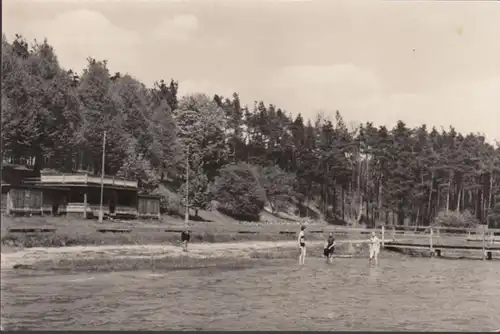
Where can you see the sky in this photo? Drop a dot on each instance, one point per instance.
(432, 62)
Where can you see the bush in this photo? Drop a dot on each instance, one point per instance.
(239, 193)
(170, 203)
(455, 219)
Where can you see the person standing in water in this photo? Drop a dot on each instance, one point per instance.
(374, 244)
(302, 245)
(330, 248)
(185, 237)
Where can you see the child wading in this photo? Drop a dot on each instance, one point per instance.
(302, 245)
(374, 248)
(185, 237)
(329, 248)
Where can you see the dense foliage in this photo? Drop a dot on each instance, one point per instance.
(241, 157)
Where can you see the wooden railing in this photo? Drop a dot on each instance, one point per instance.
(85, 178)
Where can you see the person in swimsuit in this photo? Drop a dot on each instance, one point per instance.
(302, 245)
(185, 237)
(374, 244)
(329, 248)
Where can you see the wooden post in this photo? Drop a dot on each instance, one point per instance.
(41, 204)
(85, 205)
(101, 214)
(430, 241)
(159, 209)
(383, 236)
(186, 214)
(393, 233)
(9, 203)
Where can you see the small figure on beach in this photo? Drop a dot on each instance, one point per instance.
(329, 248)
(302, 245)
(374, 244)
(185, 237)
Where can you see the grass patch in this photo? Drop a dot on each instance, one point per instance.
(27, 232)
(78, 238)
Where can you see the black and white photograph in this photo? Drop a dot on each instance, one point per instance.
(250, 165)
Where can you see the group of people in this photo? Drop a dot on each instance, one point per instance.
(373, 243)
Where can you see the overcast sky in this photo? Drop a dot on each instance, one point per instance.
(433, 62)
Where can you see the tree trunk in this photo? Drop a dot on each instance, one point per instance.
(349, 209)
(448, 196)
(438, 199)
(343, 204)
(429, 203)
(418, 216)
(458, 199)
(482, 207)
(490, 192)
(38, 166)
(334, 200)
(379, 197)
(358, 195)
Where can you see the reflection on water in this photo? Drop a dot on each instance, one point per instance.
(397, 294)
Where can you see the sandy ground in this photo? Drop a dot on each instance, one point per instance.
(30, 256)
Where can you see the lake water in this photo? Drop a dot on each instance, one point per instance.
(400, 294)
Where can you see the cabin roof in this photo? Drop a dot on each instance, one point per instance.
(82, 185)
(32, 186)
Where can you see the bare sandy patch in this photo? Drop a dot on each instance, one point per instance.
(31, 255)
(243, 250)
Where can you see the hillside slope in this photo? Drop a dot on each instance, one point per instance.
(173, 201)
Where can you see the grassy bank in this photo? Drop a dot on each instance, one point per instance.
(79, 232)
(57, 239)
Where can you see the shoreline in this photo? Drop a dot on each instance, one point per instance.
(80, 257)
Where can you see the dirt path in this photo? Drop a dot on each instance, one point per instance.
(202, 250)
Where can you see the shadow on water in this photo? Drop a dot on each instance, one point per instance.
(403, 294)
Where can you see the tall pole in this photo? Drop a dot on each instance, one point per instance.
(186, 214)
(484, 241)
(102, 176)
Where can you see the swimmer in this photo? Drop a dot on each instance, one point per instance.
(374, 244)
(185, 237)
(330, 248)
(302, 245)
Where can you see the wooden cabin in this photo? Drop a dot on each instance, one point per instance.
(82, 196)
(25, 192)
(32, 200)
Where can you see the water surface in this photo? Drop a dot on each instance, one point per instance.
(400, 294)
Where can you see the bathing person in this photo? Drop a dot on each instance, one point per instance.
(330, 248)
(302, 245)
(374, 244)
(185, 237)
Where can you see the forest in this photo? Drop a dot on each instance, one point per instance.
(240, 159)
